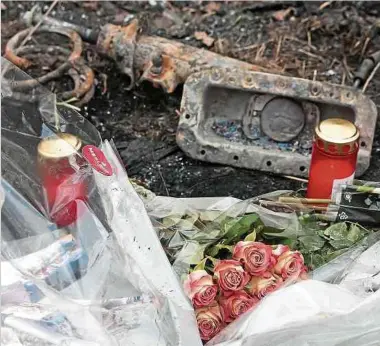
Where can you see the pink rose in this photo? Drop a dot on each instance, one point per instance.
(260, 286)
(231, 275)
(290, 264)
(257, 257)
(200, 288)
(209, 320)
(235, 305)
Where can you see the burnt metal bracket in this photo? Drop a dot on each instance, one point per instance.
(262, 121)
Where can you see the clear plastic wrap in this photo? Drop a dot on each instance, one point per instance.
(327, 309)
(316, 313)
(187, 227)
(307, 313)
(93, 273)
(104, 279)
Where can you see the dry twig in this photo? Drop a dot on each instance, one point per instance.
(370, 77)
(26, 39)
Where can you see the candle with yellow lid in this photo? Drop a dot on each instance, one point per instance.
(334, 156)
(61, 168)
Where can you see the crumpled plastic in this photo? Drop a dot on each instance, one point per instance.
(307, 313)
(105, 279)
(101, 280)
(316, 313)
(334, 307)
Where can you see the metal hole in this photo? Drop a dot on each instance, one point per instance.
(236, 157)
(363, 144)
(203, 152)
(269, 163)
(302, 168)
(187, 116)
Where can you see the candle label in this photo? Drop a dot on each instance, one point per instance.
(336, 185)
(96, 158)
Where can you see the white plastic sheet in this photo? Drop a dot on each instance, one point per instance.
(340, 305)
(103, 279)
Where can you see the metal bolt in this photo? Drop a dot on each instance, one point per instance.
(156, 64)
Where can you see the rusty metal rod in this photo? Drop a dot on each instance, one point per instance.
(161, 61)
(13, 44)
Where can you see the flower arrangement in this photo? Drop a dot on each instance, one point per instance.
(235, 259)
(232, 286)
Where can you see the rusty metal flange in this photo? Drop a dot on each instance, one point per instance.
(216, 103)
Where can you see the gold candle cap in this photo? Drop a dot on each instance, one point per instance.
(59, 146)
(338, 136)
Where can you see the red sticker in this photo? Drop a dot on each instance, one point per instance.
(97, 159)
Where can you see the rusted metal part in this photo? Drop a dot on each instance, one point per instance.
(35, 15)
(82, 75)
(12, 46)
(86, 97)
(83, 78)
(223, 111)
(119, 43)
(144, 54)
(163, 62)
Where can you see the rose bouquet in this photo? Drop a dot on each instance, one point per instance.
(227, 288)
(231, 253)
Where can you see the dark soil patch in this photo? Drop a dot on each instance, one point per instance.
(142, 122)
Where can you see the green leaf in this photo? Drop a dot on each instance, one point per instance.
(196, 254)
(248, 220)
(312, 242)
(316, 261)
(355, 233)
(341, 244)
(251, 236)
(212, 260)
(337, 231)
(201, 265)
(331, 255)
(289, 232)
(236, 230)
(214, 250)
(208, 235)
(313, 260)
(292, 243)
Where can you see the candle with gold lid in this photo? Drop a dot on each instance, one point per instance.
(334, 156)
(61, 168)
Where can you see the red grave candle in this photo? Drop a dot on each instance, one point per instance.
(333, 159)
(61, 168)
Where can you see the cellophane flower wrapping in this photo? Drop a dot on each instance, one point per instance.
(102, 279)
(342, 257)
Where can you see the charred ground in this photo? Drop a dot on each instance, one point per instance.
(296, 37)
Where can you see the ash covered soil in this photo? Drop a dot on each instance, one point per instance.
(329, 38)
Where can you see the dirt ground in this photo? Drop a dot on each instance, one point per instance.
(330, 38)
